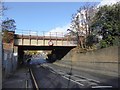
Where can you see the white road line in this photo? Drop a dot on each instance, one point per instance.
(34, 80)
(26, 84)
(61, 73)
(57, 72)
(73, 81)
(80, 80)
(67, 75)
(52, 71)
(93, 80)
(50, 67)
(67, 78)
(79, 76)
(87, 78)
(76, 81)
(101, 86)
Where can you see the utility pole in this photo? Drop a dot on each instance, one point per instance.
(1, 45)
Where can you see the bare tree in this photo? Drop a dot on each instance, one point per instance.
(81, 22)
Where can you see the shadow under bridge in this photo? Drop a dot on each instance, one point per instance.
(57, 52)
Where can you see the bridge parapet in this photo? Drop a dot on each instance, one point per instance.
(35, 40)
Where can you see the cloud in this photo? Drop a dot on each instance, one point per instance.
(107, 2)
(59, 31)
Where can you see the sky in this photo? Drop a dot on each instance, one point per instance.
(43, 16)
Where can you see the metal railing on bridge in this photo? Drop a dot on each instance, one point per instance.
(56, 36)
(40, 33)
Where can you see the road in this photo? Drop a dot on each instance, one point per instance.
(46, 78)
(52, 76)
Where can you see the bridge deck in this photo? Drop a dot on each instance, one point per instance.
(44, 40)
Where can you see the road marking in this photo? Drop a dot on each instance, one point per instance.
(57, 72)
(53, 71)
(80, 80)
(50, 67)
(66, 77)
(79, 76)
(73, 81)
(87, 78)
(62, 73)
(26, 83)
(34, 80)
(76, 81)
(93, 80)
(101, 86)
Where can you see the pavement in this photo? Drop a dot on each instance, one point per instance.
(19, 79)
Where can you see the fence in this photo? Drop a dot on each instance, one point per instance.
(41, 33)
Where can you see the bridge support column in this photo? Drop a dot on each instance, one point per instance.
(20, 56)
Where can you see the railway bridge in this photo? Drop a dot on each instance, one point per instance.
(60, 45)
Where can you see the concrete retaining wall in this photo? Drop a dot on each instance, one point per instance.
(104, 61)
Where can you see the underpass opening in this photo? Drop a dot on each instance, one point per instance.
(56, 52)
